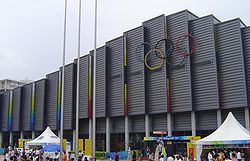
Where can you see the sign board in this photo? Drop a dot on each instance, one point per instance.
(160, 132)
(21, 142)
(65, 144)
(80, 144)
(88, 147)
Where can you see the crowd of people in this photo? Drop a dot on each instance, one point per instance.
(39, 155)
(226, 155)
(160, 155)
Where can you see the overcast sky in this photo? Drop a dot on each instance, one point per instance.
(31, 31)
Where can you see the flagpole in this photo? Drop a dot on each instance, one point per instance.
(62, 75)
(78, 78)
(94, 85)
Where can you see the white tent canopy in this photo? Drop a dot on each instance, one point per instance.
(230, 132)
(47, 137)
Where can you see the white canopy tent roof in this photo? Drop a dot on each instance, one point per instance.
(230, 132)
(47, 137)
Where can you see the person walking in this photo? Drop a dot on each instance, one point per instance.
(134, 156)
(116, 157)
(64, 156)
(234, 157)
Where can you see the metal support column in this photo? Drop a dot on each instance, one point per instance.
(33, 136)
(90, 128)
(247, 117)
(21, 135)
(126, 133)
(147, 134)
(107, 134)
(169, 124)
(218, 118)
(193, 123)
(11, 138)
(1, 139)
(59, 133)
(74, 141)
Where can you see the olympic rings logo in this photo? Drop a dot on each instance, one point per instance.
(169, 49)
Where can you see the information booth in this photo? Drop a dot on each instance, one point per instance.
(174, 145)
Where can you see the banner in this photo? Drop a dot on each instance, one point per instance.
(80, 144)
(88, 147)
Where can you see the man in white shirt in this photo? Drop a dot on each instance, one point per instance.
(170, 158)
(162, 158)
(238, 156)
(209, 156)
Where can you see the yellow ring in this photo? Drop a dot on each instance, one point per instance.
(160, 64)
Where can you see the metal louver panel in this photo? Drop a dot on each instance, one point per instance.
(206, 120)
(182, 121)
(115, 73)
(84, 126)
(204, 65)
(232, 79)
(160, 122)
(83, 89)
(26, 107)
(0, 107)
(101, 82)
(156, 92)
(40, 87)
(69, 96)
(118, 125)
(180, 77)
(16, 109)
(246, 45)
(101, 125)
(4, 110)
(138, 124)
(238, 113)
(52, 100)
(135, 72)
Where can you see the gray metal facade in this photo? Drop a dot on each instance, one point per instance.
(215, 77)
(135, 72)
(69, 96)
(246, 45)
(206, 120)
(204, 65)
(16, 109)
(238, 114)
(84, 126)
(182, 121)
(180, 76)
(115, 80)
(52, 99)
(118, 124)
(26, 107)
(5, 101)
(160, 122)
(83, 90)
(40, 89)
(101, 82)
(231, 65)
(138, 123)
(156, 94)
(101, 125)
